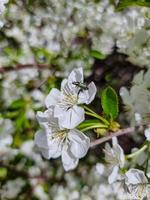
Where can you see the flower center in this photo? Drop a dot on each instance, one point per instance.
(59, 134)
(68, 101)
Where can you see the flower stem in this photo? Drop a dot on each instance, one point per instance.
(137, 152)
(94, 126)
(92, 113)
(86, 108)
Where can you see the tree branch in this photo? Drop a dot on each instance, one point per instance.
(112, 134)
(24, 66)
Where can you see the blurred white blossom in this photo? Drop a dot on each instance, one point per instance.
(135, 106)
(12, 188)
(2, 9)
(28, 150)
(2, 5)
(39, 191)
(6, 139)
(6, 130)
(94, 21)
(147, 134)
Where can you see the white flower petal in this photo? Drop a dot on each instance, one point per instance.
(135, 176)
(114, 156)
(40, 139)
(147, 134)
(114, 141)
(47, 120)
(52, 98)
(69, 118)
(51, 153)
(42, 117)
(119, 154)
(79, 143)
(100, 168)
(68, 159)
(92, 92)
(87, 96)
(83, 97)
(68, 91)
(55, 148)
(114, 175)
(63, 83)
(76, 75)
(48, 147)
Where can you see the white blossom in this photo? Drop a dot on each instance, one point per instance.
(27, 148)
(39, 192)
(115, 159)
(2, 5)
(73, 92)
(6, 139)
(11, 189)
(147, 134)
(6, 129)
(136, 182)
(25, 75)
(53, 141)
(132, 98)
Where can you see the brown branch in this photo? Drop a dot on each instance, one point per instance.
(24, 66)
(112, 134)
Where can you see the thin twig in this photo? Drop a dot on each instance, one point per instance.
(24, 66)
(112, 134)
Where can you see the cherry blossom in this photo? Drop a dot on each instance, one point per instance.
(66, 102)
(53, 141)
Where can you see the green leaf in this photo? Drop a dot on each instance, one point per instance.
(20, 121)
(17, 104)
(109, 101)
(97, 54)
(126, 3)
(3, 172)
(13, 53)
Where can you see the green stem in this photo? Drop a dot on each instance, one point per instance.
(92, 113)
(147, 162)
(136, 153)
(86, 108)
(93, 126)
(146, 167)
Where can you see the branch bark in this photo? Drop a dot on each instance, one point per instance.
(112, 134)
(24, 66)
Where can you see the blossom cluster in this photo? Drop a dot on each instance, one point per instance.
(90, 26)
(2, 5)
(134, 181)
(2, 9)
(137, 108)
(59, 136)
